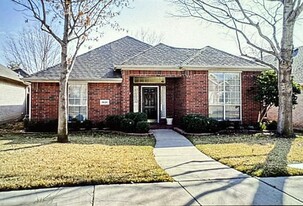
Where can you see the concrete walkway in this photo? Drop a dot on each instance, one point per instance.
(199, 180)
(212, 183)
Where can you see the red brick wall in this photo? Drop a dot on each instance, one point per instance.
(197, 92)
(126, 90)
(44, 101)
(250, 107)
(170, 96)
(105, 91)
(187, 92)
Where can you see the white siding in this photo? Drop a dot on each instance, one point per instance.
(12, 100)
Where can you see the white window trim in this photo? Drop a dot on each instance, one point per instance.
(224, 105)
(79, 83)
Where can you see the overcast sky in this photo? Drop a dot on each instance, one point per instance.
(152, 15)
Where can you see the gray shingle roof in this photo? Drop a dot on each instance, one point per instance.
(163, 55)
(9, 74)
(98, 63)
(209, 56)
(297, 71)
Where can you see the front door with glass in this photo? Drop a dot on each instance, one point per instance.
(150, 102)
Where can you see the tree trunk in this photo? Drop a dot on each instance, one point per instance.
(63, 90)
(63, 84)
(285, 127)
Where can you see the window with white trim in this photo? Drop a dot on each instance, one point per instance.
(77, 101)
(224, 95)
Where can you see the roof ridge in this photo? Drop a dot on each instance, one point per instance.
(192, 57)
(231, 54)
(189, 48)
(138, 54)
(109, 43)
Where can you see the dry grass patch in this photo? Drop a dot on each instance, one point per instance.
(36, 160)
(256, 155)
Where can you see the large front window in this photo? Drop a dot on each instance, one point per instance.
(77, 101)
(224, 96)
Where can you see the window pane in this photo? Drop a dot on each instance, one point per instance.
(77, 101)
(224, 95)
(232, 112)
(163, 101)
(135, 99)
(216, 112)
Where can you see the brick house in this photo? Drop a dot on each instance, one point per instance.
(128, 75)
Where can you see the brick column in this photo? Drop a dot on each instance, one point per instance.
(125, 92)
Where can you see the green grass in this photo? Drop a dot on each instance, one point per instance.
(256, 155)
(36, 160)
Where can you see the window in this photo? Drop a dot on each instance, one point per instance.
(149, 80)
(163, 102)
(136, 99)
(77, 101)
(224, 96)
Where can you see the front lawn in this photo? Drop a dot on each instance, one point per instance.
(36, 160)
(256, 155)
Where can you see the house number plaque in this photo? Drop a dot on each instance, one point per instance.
(104, 102)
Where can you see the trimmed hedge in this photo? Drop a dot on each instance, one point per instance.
(127, 125)
(136, 116)
(114, 121)
(40, 126)
(52, 125)
(196, 123)
(130, 122)
(142, 127)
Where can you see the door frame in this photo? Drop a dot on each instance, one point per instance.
(158, 101)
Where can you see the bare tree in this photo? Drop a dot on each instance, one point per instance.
(261, 26)
(75, 20)
(147, 36)
(31, 49)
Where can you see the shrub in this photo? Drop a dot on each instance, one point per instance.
(114, 121)
(272, 125)
(262, 126)
(136, 116)
(87, 124)
(213, 125)
(74, 125)
(194, 123)
(142, 127)
(128, 125)
(222, 125)
(99, 125)
(41, 126)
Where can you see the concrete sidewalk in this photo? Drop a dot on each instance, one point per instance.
(199, 181)
(212, 183)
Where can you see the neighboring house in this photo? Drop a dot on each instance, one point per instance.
(13, 93)
(297, 73)
(20, 72)
(128, 75)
